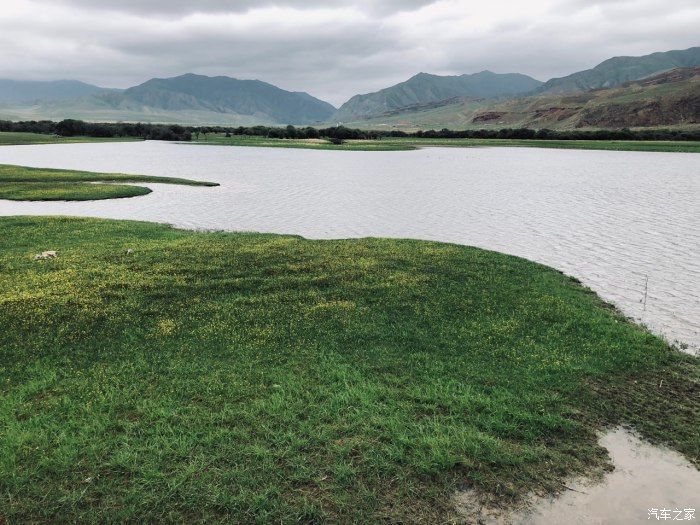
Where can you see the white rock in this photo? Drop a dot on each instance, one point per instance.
(49, 254)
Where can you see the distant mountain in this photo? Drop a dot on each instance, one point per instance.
(671, 98)
(17, 91)
(228, 95)
(616, 71)
(187, 99)
(424, 88)
(482, 99)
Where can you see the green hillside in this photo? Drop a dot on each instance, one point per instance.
(618, 70)
(424, 88)
(93, 110)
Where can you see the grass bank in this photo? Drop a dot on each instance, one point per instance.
(399, 144)
(41, 184)
(218, 377)
(385, 144)
(611, 145)
(221, 139)
(17, 139)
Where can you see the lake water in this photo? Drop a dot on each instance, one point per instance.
(627, 224)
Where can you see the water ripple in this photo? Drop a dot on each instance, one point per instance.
(626, 223)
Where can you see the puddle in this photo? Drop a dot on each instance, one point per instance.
(646, 477)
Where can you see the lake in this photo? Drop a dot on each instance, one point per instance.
(627, 224)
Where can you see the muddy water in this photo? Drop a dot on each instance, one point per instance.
(646, 482)
(625, 223)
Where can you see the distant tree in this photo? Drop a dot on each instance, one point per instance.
(71, 128)
(311, 133)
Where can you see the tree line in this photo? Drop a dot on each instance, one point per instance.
(74, 128)
(71, 128)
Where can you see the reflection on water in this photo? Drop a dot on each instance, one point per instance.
(626, 223)
(645, 479)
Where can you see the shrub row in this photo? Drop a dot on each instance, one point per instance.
(70, 128)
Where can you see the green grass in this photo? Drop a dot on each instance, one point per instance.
(40, 184)
(60, 191)
(15, 139)
(387, 144)
(394, 144)
(616, 145)
(219, 377)
(322, 144)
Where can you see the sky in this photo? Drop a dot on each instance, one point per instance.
(332, 49)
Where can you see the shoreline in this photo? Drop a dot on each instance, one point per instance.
(384, 144)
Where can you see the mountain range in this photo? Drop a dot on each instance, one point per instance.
(611, 90)
(184, 99)
(424, 88)
(671, 98)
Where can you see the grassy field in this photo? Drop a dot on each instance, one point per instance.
(262, 142)
(398, 144)
(218, 377)
(39, 184)
(17, 139)
(387, 144)
(617, 145)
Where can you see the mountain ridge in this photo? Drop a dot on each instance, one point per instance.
(425, 88)
(222, 100)
(617, 70)
(18, 91)
(222, 94)
(671, 98)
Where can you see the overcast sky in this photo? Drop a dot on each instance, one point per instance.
(333, 49)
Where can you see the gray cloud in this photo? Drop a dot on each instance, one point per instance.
(179, 7)
(332, 49)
